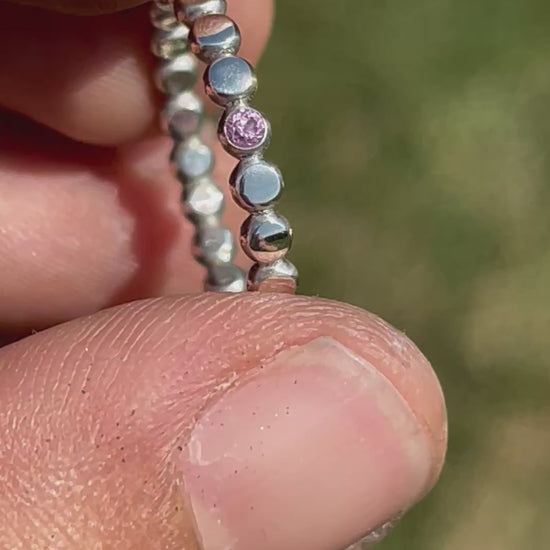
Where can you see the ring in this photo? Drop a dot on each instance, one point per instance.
(186, 34)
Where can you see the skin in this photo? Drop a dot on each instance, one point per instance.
(88, 220)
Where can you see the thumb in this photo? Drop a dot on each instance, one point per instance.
(219, 422)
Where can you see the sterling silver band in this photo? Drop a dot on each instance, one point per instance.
(185, 34)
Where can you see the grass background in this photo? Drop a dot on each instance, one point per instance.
(414, 137)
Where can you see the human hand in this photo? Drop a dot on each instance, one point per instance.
(229, 421)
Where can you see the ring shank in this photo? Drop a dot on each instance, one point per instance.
(198, 30)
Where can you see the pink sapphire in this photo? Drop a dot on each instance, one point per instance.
(245, 128)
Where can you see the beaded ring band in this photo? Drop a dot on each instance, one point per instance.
(186, 32)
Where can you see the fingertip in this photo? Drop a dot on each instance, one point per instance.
(91, 78)
(113, 106)
(337, 403)
(255, 19)
(286, 422)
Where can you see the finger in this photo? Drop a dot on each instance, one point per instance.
(266, 421)
(82, 7)
(90, 78)
(79, 235)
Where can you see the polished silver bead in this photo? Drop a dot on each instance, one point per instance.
(190, 10)
(244, 131)
(213, 36)
(280, 276)
(214, 245)
(169, 43)
(266, 237)
(177, 75)
(182, 115)
(203, 199)
(191, 159)
(163, 16)
(229, 79)
(226, 278)
(256, 185)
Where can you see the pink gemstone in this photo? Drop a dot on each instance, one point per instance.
(245, 128)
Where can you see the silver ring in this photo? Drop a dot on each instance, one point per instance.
(186, 34)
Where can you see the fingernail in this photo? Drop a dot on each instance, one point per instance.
(378, 534)
(312, 450)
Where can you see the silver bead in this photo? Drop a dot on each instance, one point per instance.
(266, 237)
(190, 10)
(280, 276)
(182, 115)
(177, 75)
(163, 16)
(203, 199)
(191, 159)
(244, 131)
(229, 79)
(169, 43)
(226, 278)
(213, 245)
(214, 35)
(256, 185)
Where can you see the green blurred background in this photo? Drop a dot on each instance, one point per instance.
(414, 136)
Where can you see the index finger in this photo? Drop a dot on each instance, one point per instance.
(90, 78)
(83, 7)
